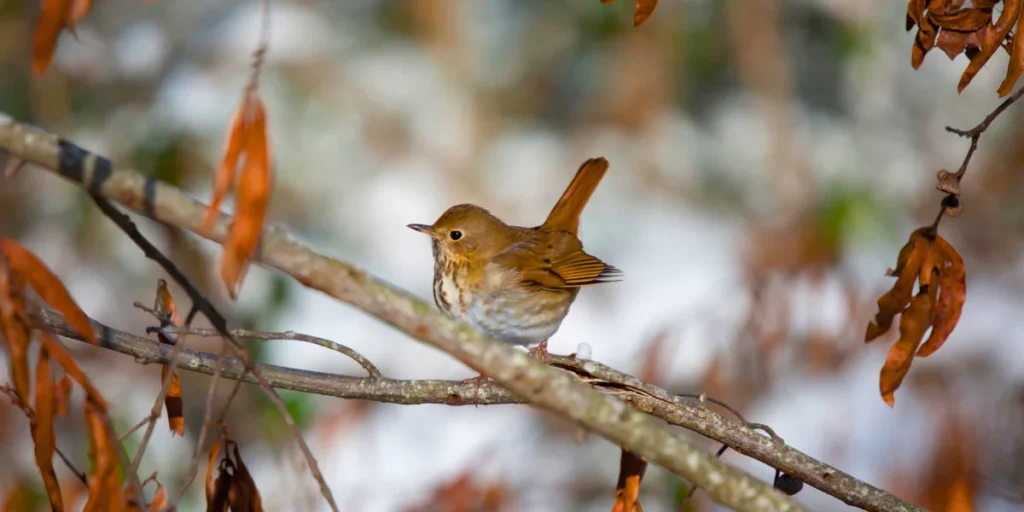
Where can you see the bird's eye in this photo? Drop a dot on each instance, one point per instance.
(455, 235)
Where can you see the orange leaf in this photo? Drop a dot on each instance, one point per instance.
(61, 354)
(644, 9)
(627, 490)
(16, 329)
(79, 8)
(952, 294)
(165, 303)
(210, 486)
(42, 430)
(174, 403)
(244, 495)
(253, 198)
(908, 266)
(159, 499)
(104, 488)
(1016, 66)
(47, 285)
(48, 28)
(914, 321)
(236, 141)
(991, 41)
(63, 395)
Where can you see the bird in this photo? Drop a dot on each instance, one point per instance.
(516, 284)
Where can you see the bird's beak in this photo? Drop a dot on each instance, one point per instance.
(423, 228)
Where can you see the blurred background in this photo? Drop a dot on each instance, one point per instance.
(769, 158)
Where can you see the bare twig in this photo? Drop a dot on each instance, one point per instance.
(135, 428)
(291, 335)
(674, 409)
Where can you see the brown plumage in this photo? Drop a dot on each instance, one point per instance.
(515, 283)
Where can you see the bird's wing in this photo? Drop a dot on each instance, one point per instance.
(555, 261)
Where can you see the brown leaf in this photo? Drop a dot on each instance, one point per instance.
(225, 177)
(252, 200)
(1016, 66)
(627, 490)
(16, 330)
(104, 489)
(915, 10)
(644, 9)
(43, 436)
(913, 323)
(48, 28)
(174, 404)
(952, 294)
(62, 397)
(992, 37)
(63, 357)
(210, 486)
(908, 266)
(159, 499)
(244, 496)
(165, 303)
(47, 285)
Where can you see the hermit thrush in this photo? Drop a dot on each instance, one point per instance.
(514, 283)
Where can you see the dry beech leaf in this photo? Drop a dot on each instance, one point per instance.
(62, 397)
(225, 177)
(63, 357)
(104, 488)
(252, 200)
(244, 496)
(43, 436)
(908, 266)
(913, 323)
(159, 499)
(52, 18)
(174, 403)
(47, 285)
(17, 331)
(210, 486)
(1016, 66)
(642, 11)
(627, 490)
(952, 294)
(991, 40)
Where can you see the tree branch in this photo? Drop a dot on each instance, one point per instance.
(676, 410)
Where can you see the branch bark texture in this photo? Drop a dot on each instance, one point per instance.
(525, 378)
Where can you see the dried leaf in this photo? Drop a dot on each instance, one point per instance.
(159, 499)
(48, 28)
(913, 323)
(62, 397)
(252, 200)
(43, 436)
(19, 499)
(1016, 66)
(79, 8)
(908, 266)
(63, 357)
(244, 496)
(225, 177)
(47, 285)
(644, 9)
(16, 330)
(210, 486)
(952, 294)
(165, 303)
(627, 490)
(992, 37)
(174, 404)
(104, 488)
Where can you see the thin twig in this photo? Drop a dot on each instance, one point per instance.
(291, 335)
(135, 428)
(193, 465)
(30, 414)
(218, 321)
(158, 404)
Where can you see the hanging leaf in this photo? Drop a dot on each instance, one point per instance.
(16, 330)
(952, 295)
(104, 487)
(62, 397)
(159, 499)
(237, 139)
(51, 22)
(43, 436)
(244, 496)
(47, 285)
(252, 199)
(174, 404)
(642, 11)
(210, 485)
(627, 490)
(908, 266)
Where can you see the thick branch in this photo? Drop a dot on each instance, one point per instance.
(642, 396)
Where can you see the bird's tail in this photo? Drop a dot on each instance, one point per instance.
(565, 216)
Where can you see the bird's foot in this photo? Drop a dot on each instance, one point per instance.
(540, 352)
